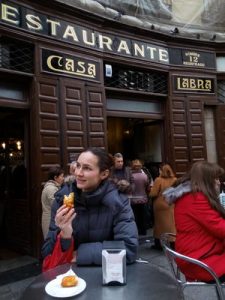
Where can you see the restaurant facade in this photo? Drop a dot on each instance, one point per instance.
(71, 80)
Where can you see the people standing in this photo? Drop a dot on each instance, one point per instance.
(55, 180)
(139, 196)
(69, 179)
(100, 214)
(163, 213)
(121, 175)
(200, 220)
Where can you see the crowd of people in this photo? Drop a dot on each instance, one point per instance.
(112, 201)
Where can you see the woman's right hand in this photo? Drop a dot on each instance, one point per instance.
(63, 219)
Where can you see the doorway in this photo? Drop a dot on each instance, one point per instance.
(15, 219)
(136, 138)
(210, 134)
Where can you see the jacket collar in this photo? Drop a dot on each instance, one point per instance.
(173, 193)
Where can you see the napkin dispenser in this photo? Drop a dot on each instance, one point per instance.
(114, 263)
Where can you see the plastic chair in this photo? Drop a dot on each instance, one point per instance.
(181, 281)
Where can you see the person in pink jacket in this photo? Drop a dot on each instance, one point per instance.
(199, 220)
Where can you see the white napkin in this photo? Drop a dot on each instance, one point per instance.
(70, 272)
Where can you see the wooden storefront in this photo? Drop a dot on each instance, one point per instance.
(68, 82)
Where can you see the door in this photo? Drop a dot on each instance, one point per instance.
(15, 220)
(136, 138)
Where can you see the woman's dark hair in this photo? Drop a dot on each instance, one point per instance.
(105, 160)
(54, 171)
(202, 177)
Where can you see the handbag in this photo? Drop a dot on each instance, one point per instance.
(58, 257)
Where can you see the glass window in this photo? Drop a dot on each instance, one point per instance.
(210, 135)
(134, 106)
(11, 91)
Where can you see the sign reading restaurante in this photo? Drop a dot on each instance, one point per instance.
(35, 22)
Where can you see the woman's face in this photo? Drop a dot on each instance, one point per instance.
(87, 173)
(59, 179)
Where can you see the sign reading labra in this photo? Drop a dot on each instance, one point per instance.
(56, 62)
(193, 84)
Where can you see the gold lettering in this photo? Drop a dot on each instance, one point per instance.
(178, 83)
(82, 67)
(123, 47)
(185, 83)
(192, 83)
(85, 39)
(138, 50)
(53, 25)
(69, 66)
(9, 14)
(35, 22)
(208, 84)
(200, 83)
(105, 40)
(91, 70)
(163, 55)
(152, 52)
(70, 32)
(59, 61)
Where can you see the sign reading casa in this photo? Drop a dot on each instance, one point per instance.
(35, 22)
(70, 65)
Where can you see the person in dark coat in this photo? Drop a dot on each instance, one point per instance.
(100, 214)
(122, 175)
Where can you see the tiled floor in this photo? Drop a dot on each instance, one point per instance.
(16, 262)
(16, 274)
(14, 291)
(20, 273)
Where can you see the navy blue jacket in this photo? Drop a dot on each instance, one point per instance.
(102, 215)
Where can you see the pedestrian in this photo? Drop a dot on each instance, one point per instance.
(139, 196)
(100, 214)
(55, 180)
(163, 213)
(69, 179)
(200, 220)
(121, 175)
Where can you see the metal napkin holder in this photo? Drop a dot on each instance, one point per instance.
(113, 263)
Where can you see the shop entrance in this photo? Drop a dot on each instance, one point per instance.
(15, 220)
(136, 138)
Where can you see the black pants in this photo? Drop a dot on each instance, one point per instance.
(140, 218)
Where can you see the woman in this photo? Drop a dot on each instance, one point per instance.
(163, 213)
(55, 180)
(100, 214)
(139, 196)
(69, 179)
(200, 220)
